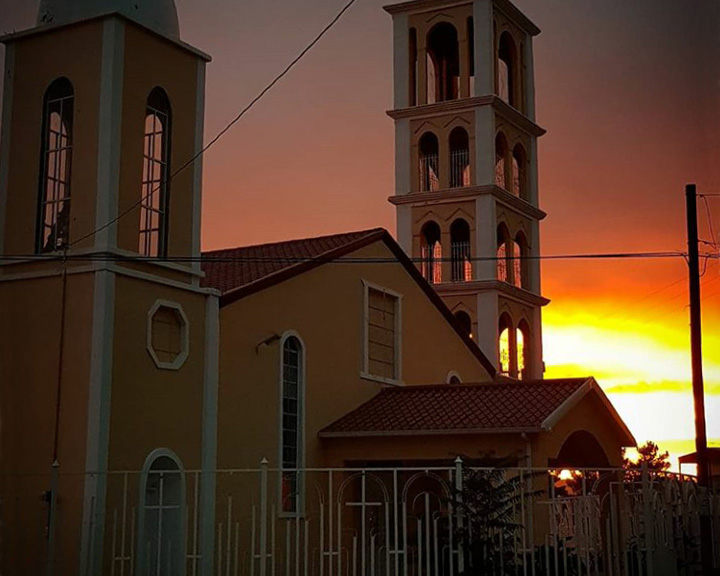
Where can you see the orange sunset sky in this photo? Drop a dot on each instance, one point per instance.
(629, 94)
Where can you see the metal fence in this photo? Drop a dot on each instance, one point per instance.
(432, 521)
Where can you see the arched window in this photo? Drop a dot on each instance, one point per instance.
(428, 153)
(443, 78)
(523, 349)
(460, 249)
(503, 269)
(507, 69)
(292, 382)
(431, 253)
(519, 166)
(161, 547)
(154, 193)
(459, 158)
(501, 149)
(413, 65)
(53, 220)
(505, 351)
(465, 322)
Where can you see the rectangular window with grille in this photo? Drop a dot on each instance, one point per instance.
(382, 334)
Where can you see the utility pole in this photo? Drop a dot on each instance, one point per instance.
(703, 468)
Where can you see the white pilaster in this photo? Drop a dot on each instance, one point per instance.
(538, 365)
(484, 146)
(485, 237)
(198, 167)
(5, 136)
(98, 424)
(488, 325)
(484, 47)
(403, 233)
(403, 155)
(529, 80)
(110, 119)
(209, 434)
(401, 61)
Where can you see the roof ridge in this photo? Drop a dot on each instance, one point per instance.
(491, 384)
(360, 233)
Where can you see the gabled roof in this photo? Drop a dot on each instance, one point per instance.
(240, 272)
(234, 268)
(495, 408)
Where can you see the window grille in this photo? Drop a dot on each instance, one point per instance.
(382, 337)
(153, 203)
(291, 423)
(54, 213)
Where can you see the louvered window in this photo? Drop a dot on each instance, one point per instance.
(382, 334)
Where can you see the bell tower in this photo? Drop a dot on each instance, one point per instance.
(466, 187)
(108, 353)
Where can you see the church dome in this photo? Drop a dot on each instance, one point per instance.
(158, 15)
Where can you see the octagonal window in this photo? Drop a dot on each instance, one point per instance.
(167, 335)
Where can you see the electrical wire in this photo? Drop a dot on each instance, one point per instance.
(224, 131)
(109, 257)
(710, 224)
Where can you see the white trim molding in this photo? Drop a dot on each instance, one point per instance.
(453, 374)
(98, 423)
(365, 373)
(198, 168)
(209, 434)
(302, 386)
(184, 335)
(109, 132)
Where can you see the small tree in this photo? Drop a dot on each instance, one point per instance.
(648, 454)
(489, 501)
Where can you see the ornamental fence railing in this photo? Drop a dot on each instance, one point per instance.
(371, 521)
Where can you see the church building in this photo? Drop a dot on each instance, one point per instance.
(146, 386)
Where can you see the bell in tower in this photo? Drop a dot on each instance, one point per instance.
(466, 189)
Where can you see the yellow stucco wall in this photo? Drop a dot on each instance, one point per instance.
(152, 407)
(325, 308)
(410, 449)
(151, 61)
(74, 52)
(590, 415)
(29, 387)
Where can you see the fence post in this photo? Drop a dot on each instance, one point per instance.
(459, 511)
(648, 521)
(263, 515)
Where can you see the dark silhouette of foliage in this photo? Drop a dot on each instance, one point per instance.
(649, 454)
(490, 502)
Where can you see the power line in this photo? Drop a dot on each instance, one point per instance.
(222, 132)
(106, 257)
(710, 224)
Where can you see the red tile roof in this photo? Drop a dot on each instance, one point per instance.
(233, 268)
(239, 272)
(465, 408)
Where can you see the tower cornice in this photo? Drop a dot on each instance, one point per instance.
(509, 291)
(503, 6)
(502, 108)
(452, 195)
(50, 28)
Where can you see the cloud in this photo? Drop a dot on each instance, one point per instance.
(643, 387)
